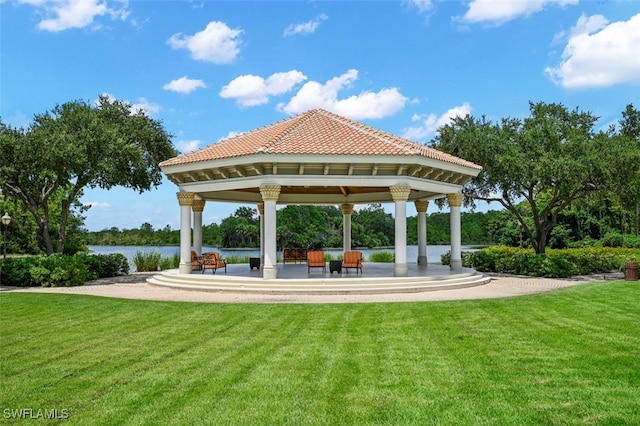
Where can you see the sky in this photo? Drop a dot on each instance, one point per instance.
(209, 70)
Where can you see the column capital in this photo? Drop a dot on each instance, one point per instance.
(455, 200)
(261, 209)
(347, 209)
(270, 192)
(421, 206)
(185, 198)
(198, 205)
(400, 193)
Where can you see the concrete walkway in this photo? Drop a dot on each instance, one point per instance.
(134, 286)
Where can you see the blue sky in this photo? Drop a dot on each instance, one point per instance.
(211, 69)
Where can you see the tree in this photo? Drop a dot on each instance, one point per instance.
(78, 145)
(549, 160)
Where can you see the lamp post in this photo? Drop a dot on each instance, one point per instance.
(6, 220)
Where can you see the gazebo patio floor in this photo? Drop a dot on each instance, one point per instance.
(298, 279)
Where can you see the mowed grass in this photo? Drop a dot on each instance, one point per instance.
(567, 357)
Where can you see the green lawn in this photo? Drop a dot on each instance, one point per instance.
(567, 357)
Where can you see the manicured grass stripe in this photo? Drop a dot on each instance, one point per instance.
(567, 357)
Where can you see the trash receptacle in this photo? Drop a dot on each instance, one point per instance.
(631, 271)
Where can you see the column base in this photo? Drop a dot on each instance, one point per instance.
(269, 272)
(400, 270)
(422, 260)
(456, 265)
(184, 268)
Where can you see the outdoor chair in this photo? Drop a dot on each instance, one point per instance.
(196, 261)
(352, 259)
(315, 259)
(211, 260)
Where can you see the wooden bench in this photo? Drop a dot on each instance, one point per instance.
(294, 255)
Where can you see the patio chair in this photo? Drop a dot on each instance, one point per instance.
(352, 259)
(196, 261)
(315, 259)
(211, 260)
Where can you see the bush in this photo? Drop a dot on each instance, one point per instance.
(555, 264)
(147, 261)
(170, 262)
(382, 257)
(61, 271)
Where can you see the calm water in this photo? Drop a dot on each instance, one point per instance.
(433, 252)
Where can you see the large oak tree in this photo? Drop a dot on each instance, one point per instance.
(538, 166)
(78, 145)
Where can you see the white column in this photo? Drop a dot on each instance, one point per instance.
(197, 207)
(421, 208)
(400, 195)
(270, 194)
(455, 200)
(347, 209)
(261, 212)
(185, 199)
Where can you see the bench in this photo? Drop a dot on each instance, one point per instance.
(294, 255)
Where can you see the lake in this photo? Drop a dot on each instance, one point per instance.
(433, 252)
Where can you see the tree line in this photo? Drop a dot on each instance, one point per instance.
(317, 227)
(558, 179)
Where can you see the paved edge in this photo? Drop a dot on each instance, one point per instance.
(134, 286)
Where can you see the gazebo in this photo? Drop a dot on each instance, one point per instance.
(318, 158)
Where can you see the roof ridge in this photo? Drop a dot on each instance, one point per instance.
(296, 122)
(381, 135)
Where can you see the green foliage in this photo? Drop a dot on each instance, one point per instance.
(554, 264)
(552, 159)
(240, 230)
(147, 261)
(382, 257)
(236, 259)
(60, 270)
(74, 146)
(170, 262)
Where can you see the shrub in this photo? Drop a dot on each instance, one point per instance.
(555, 264)
(612, 239)
(170, 262)
(235, 259)
(382, 257)
(61, 271)
(147, 261)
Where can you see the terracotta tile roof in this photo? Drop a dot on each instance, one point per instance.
(315, 132)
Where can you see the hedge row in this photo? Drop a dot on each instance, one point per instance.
(554, 264)
(61, 271)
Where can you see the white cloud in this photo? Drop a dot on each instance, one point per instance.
(431, 123)
(217, 43)
(188, 146)
(362, 106)
(184, 85)
(599, 54)
(499, 12)
(62, 15)
(148, 107)
(423, 6)
(306, 27)
(143, 104)
(252, 90)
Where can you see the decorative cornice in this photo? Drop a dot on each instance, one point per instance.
(455, 200)
(347, 209)
(198, 205)
(421, 206)
(270, 192)
(400, 193)
(185, 198)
